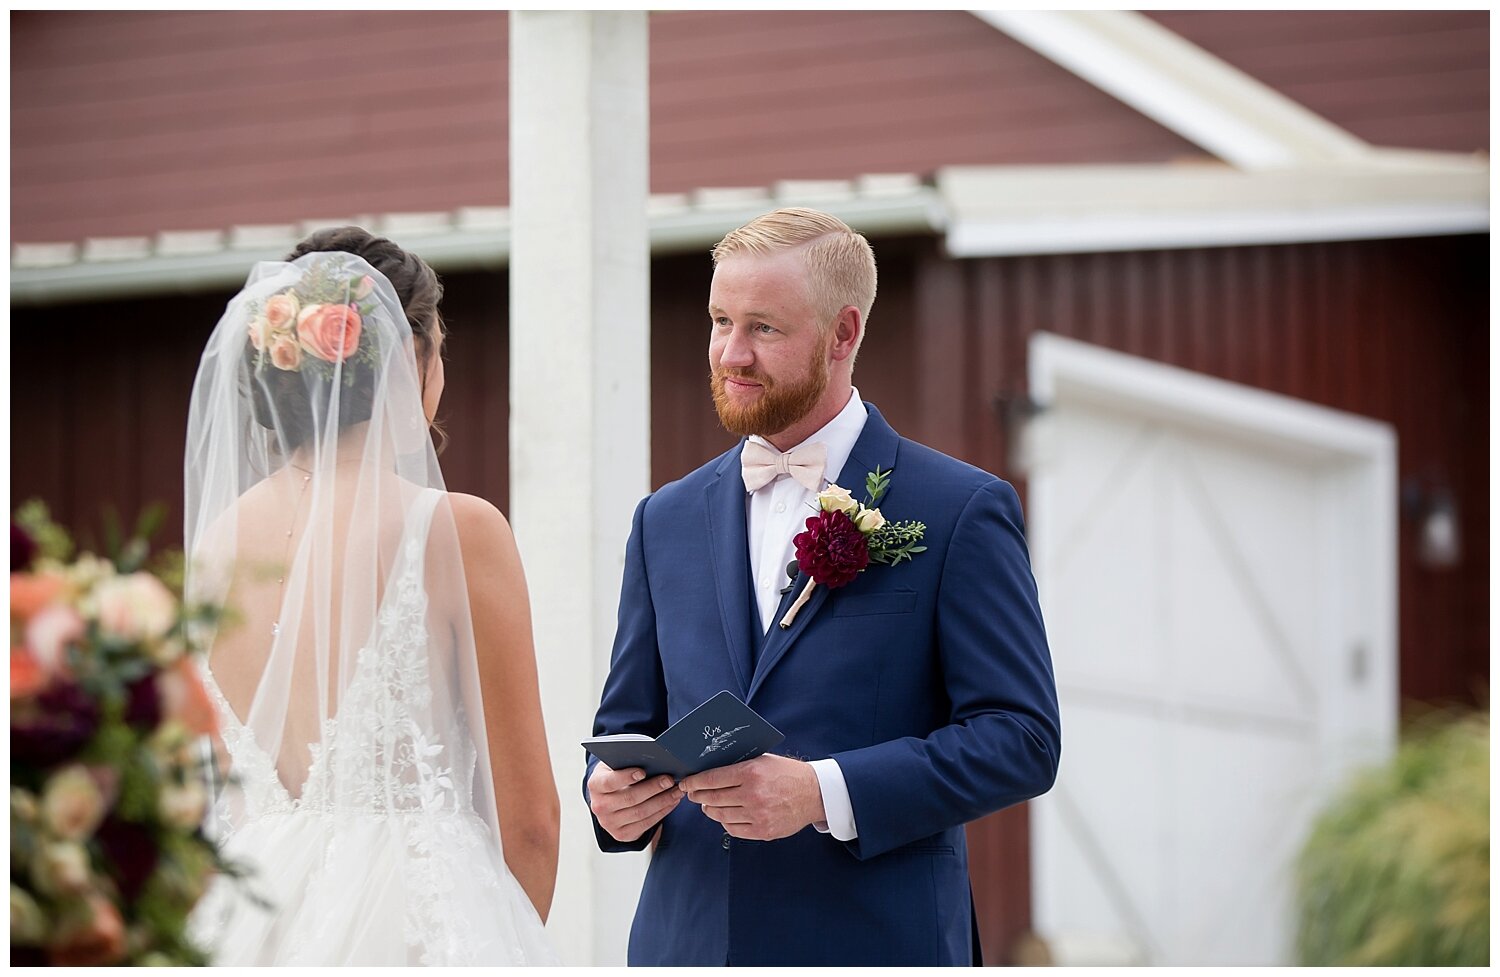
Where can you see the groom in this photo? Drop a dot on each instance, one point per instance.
(914, 699)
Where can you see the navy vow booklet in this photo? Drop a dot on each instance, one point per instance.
(721, 731)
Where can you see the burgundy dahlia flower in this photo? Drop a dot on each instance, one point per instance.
(22, 548)
(54, 727)
(833, 551)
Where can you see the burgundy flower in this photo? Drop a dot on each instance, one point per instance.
(833, 551)
(143, 703)
(22, 548)
(53, 727)
(132, 851)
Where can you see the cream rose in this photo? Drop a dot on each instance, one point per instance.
(869, 520)
(137, 607)
(260, 332)
(49, 634)
(23, 805)
(286, 353)
(60, 867)
(88, 571)
(28, 924)
(72, 805)
(182, 805)
(836, 499)
(281, 312)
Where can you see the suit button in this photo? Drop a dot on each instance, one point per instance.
(725, 841)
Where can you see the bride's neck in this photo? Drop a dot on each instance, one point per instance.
(350, 447)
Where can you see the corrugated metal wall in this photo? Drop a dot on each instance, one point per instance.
(1395, 330)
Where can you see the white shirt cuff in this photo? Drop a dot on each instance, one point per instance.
(836, 807)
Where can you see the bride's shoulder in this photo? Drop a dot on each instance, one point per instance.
(477, 521)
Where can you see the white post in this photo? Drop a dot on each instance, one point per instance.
(580, 420)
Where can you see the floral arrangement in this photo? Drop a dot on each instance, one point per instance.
(107, 855)
(846, 536)
(316, 323)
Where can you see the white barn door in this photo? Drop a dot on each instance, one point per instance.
(1217, 573)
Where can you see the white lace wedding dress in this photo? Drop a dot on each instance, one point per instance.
(383, 859)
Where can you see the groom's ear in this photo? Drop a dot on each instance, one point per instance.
(848, 327)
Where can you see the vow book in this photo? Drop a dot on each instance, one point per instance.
(719, 732)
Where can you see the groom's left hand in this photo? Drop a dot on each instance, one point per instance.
(763, 799)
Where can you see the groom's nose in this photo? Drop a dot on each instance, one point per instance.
(736, 351)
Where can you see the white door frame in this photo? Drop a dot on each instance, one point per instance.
(1358, 452)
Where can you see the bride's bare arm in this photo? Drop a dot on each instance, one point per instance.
(526, 794)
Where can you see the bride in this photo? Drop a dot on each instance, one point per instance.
(376, 684)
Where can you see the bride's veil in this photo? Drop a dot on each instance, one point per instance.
(314, 510)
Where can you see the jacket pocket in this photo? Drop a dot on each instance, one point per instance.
(888, 602)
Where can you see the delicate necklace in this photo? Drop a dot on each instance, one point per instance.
(286, 554)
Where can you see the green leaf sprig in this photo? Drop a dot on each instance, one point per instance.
(893, 541)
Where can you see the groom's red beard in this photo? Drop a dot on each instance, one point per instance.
(779, 406)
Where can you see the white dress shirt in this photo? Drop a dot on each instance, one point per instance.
(775, 514)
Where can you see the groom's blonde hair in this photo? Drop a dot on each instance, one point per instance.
(840, 262)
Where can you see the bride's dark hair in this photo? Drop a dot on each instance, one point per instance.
(417, 287)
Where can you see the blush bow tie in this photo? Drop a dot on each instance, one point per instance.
(759, 465)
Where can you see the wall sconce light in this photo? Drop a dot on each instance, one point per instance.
(1018, 414)
(1435, 514)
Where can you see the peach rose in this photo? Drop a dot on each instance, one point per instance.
(49, 634)
(286, 354)
(72, 805)
(30, 592)
(94, 937)
(137, 607)
(281, 311)
(869, 520)
(183, 697)
(329, 332)
(365, 287)
(26, 676)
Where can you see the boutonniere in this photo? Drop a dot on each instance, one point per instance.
(847, 536)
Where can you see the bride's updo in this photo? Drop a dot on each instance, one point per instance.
(419, 290)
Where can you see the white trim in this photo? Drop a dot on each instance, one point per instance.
(1225, 229)
(43, 274)
(1103, 375)
(996, 211)
(1181, 86)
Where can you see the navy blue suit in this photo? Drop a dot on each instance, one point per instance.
(929, 682)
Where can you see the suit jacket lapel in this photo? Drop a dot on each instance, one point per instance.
(728, 548)
(876, 447)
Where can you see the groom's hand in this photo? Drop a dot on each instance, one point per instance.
(628, 805)
(763, 799)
